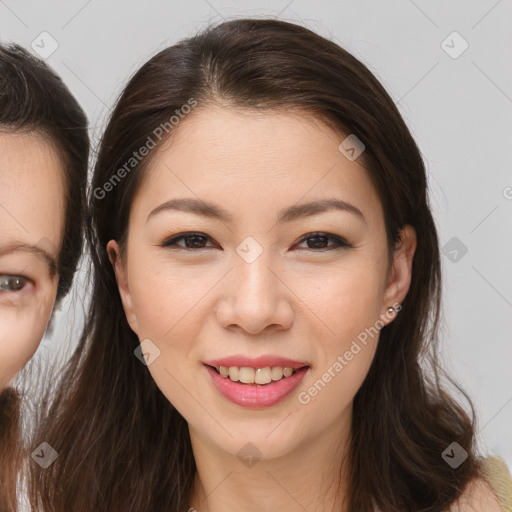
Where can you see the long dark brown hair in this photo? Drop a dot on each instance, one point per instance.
(34, 99)
(122, 445)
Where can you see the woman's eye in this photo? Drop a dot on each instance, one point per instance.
(318, 241)
(192, 241)
(12, 283)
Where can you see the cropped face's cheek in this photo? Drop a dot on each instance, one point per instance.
(31, 224)
(257, 276)
(24, 316)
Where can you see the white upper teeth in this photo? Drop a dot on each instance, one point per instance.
(249, 375)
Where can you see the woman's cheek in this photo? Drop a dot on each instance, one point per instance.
(166, 300)
(347, 304)
(21, 331)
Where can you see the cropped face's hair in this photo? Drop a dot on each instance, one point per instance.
(34, 99)
(134, 438)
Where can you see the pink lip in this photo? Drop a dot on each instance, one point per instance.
(258, 362)
(256, 395)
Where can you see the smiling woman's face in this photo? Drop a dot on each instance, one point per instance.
(31, 224)
(258, 283)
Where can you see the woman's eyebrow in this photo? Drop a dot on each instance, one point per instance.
(38, 251)
(289, 214)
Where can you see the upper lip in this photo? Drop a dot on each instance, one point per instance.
(256, 362)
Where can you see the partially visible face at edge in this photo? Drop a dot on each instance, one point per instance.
(303, 300)
(31, 226)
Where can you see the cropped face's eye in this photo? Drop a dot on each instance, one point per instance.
(10, 283)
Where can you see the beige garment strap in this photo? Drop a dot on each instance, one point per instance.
(498, 475)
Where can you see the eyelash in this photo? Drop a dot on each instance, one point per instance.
(5, 279)
(338, 241)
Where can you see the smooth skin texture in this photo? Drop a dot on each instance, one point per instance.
(31, 226)
(299, 299)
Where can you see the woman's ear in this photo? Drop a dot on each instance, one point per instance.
(400, 273)
(119, 266)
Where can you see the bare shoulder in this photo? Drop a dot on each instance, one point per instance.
(478, 496)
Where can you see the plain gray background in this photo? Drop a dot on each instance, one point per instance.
(457, 102)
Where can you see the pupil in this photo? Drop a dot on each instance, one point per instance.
(316, 238)
(17, 283)
(195, 244)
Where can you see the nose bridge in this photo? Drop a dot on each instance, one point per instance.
(257, 297)
(256, 282)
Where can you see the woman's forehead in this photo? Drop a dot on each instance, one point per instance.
(253, 155)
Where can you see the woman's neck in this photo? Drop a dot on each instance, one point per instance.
(311, 477)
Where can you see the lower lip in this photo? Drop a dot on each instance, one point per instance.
(256, 395)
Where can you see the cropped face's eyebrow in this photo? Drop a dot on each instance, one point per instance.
(294, 212)
(41, 253)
